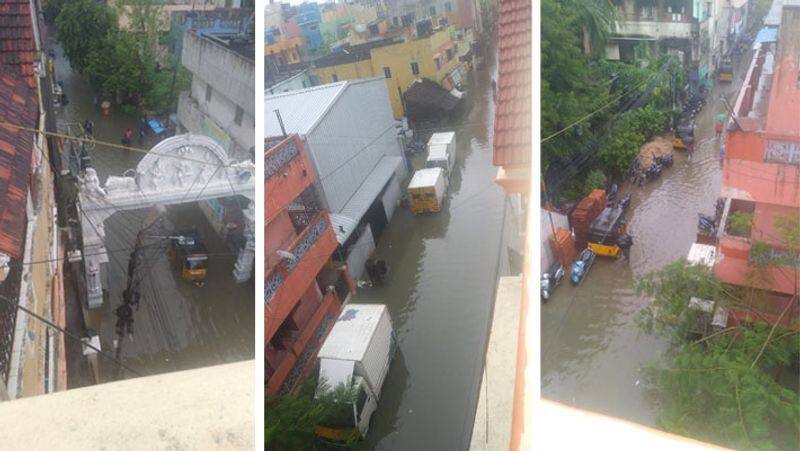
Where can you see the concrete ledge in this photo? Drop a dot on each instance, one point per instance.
(492, 428)
(207, 408)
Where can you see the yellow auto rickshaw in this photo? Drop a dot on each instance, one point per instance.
(684, 133)
(190, 257)
(725, 71)
(604, 231)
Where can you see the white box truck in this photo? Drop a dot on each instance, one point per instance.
(442, 151)
(426, 190)
(357, 354)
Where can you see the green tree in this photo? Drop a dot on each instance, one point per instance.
(166, 85)
(569, 88)
(51, 9)
(716, 391)
(116, 66)
(595, 179)
(722, 388)
(598, 19)
(82, 27)
(289, 421)
(146, 19)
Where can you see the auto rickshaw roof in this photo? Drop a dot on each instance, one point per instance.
(607, 221)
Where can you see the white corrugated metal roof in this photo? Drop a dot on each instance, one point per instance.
(425, 178)
(342, 226)
(364, 196)
(300, 110)
(352, 333)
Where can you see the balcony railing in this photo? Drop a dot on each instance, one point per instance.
(290, 370)
(299, 249)
(276, 159)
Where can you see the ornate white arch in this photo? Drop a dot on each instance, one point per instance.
(180, 169)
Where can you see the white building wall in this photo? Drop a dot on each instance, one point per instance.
(232, 81)
(359, 253)
(349, 141)
(391, 196)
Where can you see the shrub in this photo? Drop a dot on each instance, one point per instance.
(740, 223)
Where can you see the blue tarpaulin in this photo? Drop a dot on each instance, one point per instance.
(766, 35)
(155, 125)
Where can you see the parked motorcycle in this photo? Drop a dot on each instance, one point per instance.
(611, 193)
(706, 223)
(665, 161)
(626, 201)
(581, 266)
(551, 279)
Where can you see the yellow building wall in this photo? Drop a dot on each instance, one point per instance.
(349, 71)
(398, 59)
(291, 48)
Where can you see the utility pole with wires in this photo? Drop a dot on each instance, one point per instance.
(138, 268)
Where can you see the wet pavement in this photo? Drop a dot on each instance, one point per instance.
(592, 348)
(178, 325)
(440, 291)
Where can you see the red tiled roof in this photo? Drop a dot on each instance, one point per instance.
(17, 47)
(512, 117)
(17, 106)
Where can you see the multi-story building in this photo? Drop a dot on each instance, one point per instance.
(761, 179)
(309, 18)
(220, 21)
(439, 57)
(461, 13)
(303, 291)
(354, 145)
(32, 356)
(220, 104)
(667, 25)
(280, 52)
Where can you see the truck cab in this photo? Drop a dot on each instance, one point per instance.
(354, 426)
(356, 356)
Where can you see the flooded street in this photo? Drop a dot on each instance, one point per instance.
(592, 347)
(439, 291)
(178, 325)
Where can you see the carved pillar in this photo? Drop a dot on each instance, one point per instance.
(244, 263)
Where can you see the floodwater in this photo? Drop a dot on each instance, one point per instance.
(178, 325)
(592, 349)
(439, 290)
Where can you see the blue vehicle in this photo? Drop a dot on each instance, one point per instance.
(582, 265)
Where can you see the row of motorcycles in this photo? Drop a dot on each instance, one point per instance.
(640, 175)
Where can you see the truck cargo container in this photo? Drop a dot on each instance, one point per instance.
(442, 151)
(426, 190)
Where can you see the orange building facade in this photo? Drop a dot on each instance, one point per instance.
(761, 180)
(304, 292)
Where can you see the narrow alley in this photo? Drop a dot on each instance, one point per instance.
(439, 290)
